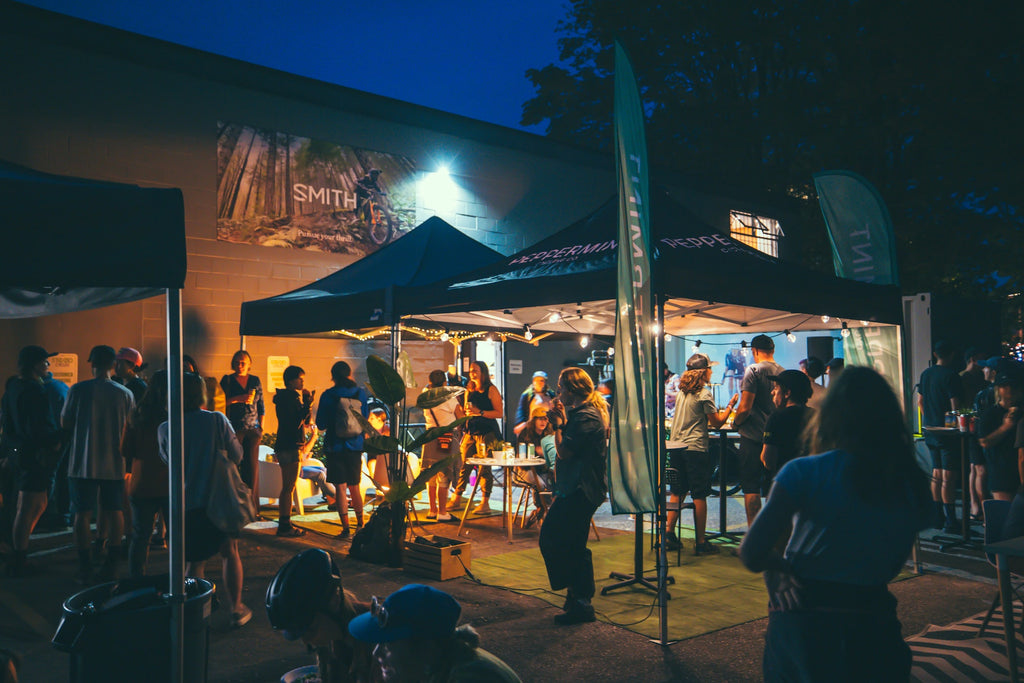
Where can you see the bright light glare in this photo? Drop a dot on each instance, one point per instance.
(555, 317)
(584, 341)
(825, 318)
(438, 192)
(790, 336)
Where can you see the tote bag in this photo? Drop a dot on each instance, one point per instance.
(229, 505)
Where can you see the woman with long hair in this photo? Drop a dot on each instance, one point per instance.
(243, 395)
(147, 487)
(483, 405)
(295, 438)
(695, 413)
(205, 433)
(855, 509)
(579, 417)
(540, 479)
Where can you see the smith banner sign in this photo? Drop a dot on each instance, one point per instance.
(278, 190)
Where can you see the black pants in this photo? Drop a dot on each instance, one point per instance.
(143, 516)
(563, 543)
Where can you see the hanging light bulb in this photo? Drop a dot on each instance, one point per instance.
(845, 331)
(584, 341)
(790, 336)
(655, 328)
(611, 352)
(555, 317)
(744, 348)
(825, 318)
(445, 336)
(668, 337)
(527, 334)
(864, 323)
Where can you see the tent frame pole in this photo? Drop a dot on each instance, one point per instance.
(176, 486)
(663, 578)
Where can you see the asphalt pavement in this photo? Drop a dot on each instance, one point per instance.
(517, 628)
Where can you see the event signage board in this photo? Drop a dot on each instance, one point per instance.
(633, 456)
(281, 190)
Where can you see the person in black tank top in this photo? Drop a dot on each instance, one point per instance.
(483, 405)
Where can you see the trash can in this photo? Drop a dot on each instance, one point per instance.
(121, 631)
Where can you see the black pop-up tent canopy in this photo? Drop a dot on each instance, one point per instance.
(73, 244)
(710, 283)
(360, 295)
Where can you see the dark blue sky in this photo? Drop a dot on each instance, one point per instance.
(462, 56)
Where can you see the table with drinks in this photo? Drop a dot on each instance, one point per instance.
(508, 460)
(962, 424)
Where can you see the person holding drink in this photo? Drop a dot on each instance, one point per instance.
(484, 407)
(243, 396)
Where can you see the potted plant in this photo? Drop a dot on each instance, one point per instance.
(380, 539)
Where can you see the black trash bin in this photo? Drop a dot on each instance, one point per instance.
(121, 631)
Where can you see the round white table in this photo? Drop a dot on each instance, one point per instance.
(506, 500)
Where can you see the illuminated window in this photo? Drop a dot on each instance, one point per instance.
(756, 231)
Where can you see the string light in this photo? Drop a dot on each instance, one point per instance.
(744, 348)
(668, 337)
(845, 331)
(864, 323)
(584, 341)
(445, 336)
(790, 336)
(555, 317)
(825, 318)
(655, 328)
(527, 334)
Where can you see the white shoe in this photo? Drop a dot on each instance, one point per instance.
(443, 517)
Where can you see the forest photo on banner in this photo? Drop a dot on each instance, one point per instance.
(278, 190)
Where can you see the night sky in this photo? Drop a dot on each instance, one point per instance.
(462, 56)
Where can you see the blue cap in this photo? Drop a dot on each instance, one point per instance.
(992, 363)
(540, 373)
(414, 611)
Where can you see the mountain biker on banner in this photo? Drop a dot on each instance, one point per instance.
(366, 188)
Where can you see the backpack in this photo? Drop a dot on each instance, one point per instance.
(346, 426)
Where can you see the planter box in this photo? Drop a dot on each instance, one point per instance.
(436, 557)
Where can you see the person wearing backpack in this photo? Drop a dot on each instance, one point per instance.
(344, 439)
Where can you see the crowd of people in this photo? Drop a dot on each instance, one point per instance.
(100, 447)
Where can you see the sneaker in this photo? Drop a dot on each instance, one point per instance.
(290, 531)
(444, 517)
(578, 613)
(705, 548)
(241, 618)
(344, 533)
(672, 542)
(484, 508)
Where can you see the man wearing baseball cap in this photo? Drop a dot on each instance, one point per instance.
(753, 411)
(31, 444)
(417, 638)
(537, 393)
(783, 430)
(127, 364)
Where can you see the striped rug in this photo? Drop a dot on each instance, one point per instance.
(956, 653)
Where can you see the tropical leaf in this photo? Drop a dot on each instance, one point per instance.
(400, 491)
(436, 396)
(434, 432)
(385, 381)
(380, 445)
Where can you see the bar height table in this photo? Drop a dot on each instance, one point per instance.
(723, 494)
(508, 464)
(965, 540)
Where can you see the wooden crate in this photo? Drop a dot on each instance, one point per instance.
(439, 562)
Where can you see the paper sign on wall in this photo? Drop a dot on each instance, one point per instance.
(64, 367)
(275, 372)
(515, 367)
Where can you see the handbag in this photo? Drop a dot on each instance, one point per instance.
(229, 503)
(444, 442)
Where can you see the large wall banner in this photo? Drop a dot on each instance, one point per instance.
(278, 190)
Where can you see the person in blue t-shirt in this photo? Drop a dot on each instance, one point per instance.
(855, 509)
(344, 455)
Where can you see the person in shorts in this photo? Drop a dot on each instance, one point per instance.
(690, 459)
(344, 455)
(940, 390)
(751, 415)
(32, 444)
(294, 440)
(441, 448)
(96, 414)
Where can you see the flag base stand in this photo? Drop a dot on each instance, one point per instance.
(637, 577)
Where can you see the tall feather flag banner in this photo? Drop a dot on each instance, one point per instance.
(859, 228)
(633, 456)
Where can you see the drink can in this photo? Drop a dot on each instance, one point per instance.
(950, 419)
(522, 450)
(962, 422)
(974, 424)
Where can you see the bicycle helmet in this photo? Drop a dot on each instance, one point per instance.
(301, 588)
